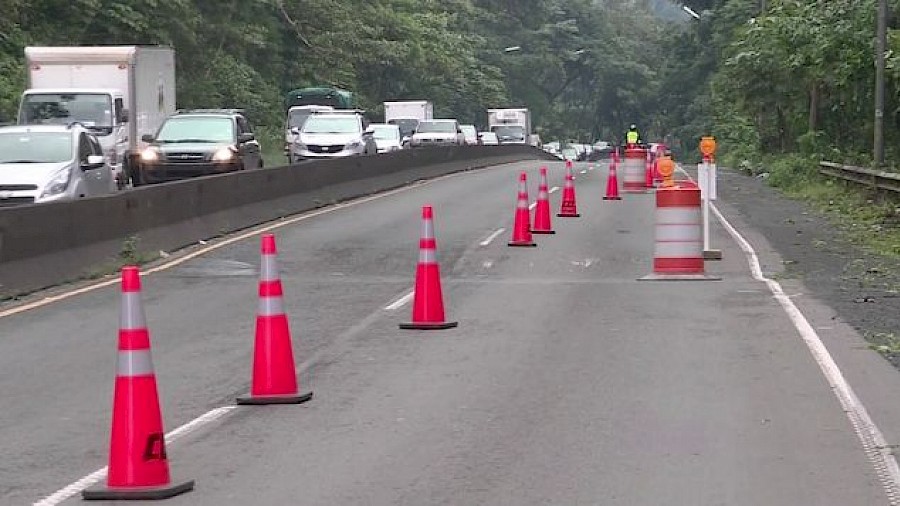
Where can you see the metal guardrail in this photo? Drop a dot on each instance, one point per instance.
(876, 179)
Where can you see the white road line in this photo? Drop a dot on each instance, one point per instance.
(584, 171)
(870, 436)
(402, 301)
(487, 264)
(532, 206)
(168, 265)
(554, 189)
(491, 237)
(76, 487)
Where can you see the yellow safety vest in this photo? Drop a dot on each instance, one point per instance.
(631, 137)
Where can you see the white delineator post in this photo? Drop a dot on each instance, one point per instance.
(706, 174)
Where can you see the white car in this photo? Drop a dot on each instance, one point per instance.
(47, 163)
(471, 134)
(334, 134)
(438, 132)
(387, 137)
(488, 138)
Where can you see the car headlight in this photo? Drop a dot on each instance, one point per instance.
(150, 155)
(223, 155)
(58, 184)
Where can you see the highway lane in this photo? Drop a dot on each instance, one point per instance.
(567, 381)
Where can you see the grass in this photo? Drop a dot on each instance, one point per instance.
(869, 220)
(271, 143)
(885, 343)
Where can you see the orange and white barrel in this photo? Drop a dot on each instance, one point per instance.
(634, 180)
(678, 241)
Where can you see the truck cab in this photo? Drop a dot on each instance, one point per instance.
(101, 111)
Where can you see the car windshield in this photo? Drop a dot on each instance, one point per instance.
(509, 132)
(327, 124)
(297, 118)
(93, 110)
(196, 129)
(407, 125)
(441, 127)
(386, 132)
(35, 147)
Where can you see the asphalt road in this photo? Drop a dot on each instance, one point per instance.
(567, 381)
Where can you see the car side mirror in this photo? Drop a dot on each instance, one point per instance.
(295, 130)
(147, 138)
(123, 116)
(246, 137)
(92, 162)
(369, 131)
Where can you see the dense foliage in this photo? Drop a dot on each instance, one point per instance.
(585, 68)
(796, 77)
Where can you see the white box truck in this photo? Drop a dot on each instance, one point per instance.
(407, 114)
(512, 126)
(119, 92)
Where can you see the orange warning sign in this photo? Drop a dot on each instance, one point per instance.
(708, 146)
(666, 169)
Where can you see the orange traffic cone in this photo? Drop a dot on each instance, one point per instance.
(612, 184)
(568, 209)
(542, 210)
(522, 225)
(428, 301)
(274, 375)
(138, 465)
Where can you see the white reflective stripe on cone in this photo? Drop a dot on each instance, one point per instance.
(427, 256)
(427, 229)
(134, 363)
(681, 249)
(542, 195)
(131, 315)
(268, 269)
(678, 232)
(678, 216)
(270, 306)
(522, 203)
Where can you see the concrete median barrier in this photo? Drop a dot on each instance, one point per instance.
(48, 244)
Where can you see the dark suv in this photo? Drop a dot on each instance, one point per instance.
(196, 143)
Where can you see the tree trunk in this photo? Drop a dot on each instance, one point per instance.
(813, 108)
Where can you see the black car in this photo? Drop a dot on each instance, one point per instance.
(197, 143)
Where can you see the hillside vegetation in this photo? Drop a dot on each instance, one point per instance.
(797, 78)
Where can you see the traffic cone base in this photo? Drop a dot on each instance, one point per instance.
(612, 198)
(568, 215)
(679, 277)
(429, 326)
(136, 494)
(517, 243)
(712, 254)
(546, 232)
(274, 399)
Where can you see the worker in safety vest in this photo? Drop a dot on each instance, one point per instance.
(632, 137)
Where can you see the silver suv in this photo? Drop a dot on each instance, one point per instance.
(333, 134)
